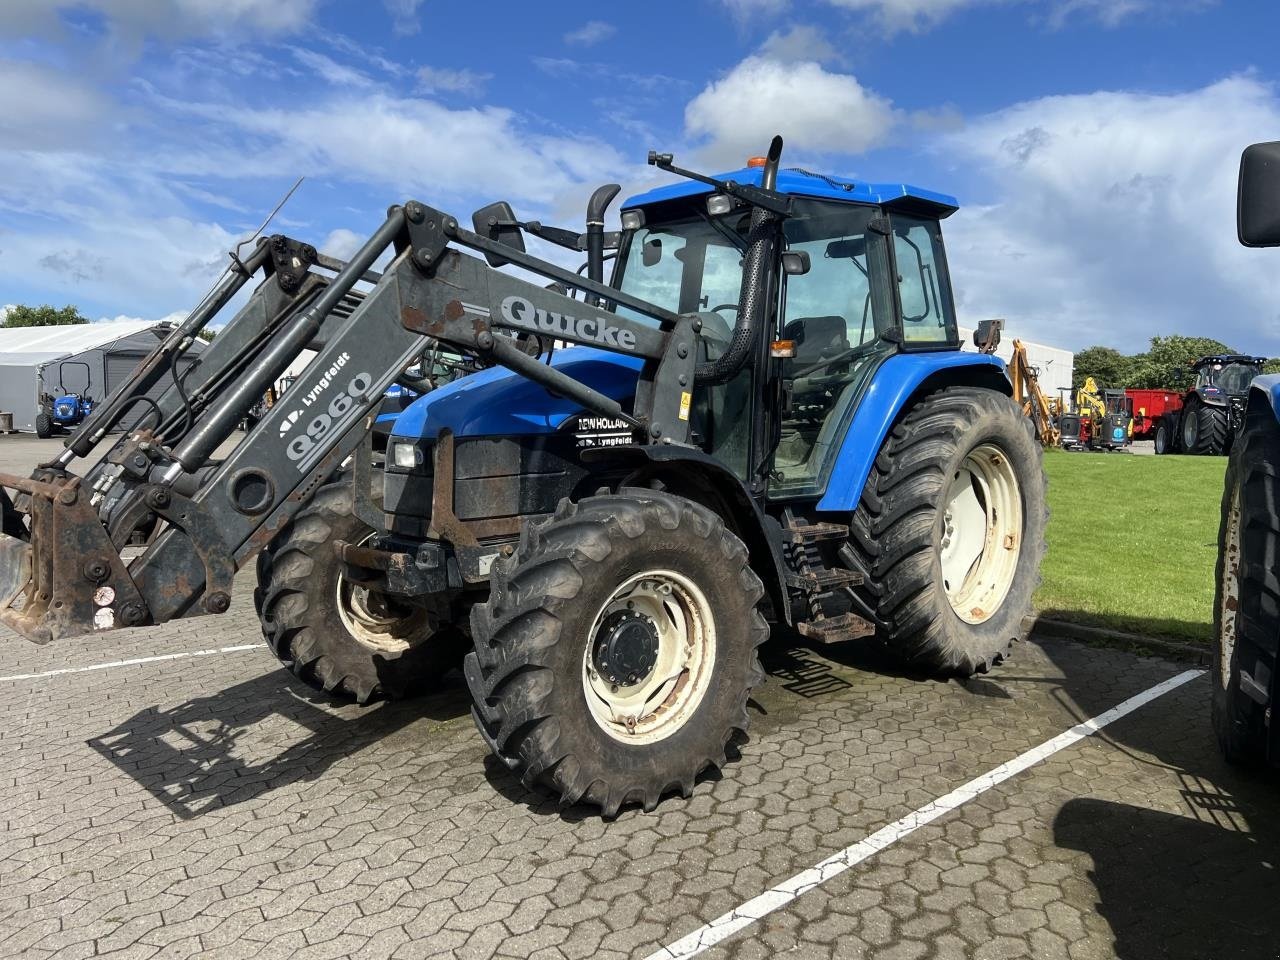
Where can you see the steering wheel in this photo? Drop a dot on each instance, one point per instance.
(725, 306)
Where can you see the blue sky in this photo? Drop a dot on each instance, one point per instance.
(1093, 143)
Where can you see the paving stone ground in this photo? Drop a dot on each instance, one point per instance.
(215, 806)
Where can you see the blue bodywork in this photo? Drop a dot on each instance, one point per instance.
(69, 409)
(1268, 386)
(498, 402)
(800, 184)
(894, 383)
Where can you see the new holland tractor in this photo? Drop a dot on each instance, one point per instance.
(762, 418)
(1247, 605)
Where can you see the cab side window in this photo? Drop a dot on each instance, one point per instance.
(928, 315)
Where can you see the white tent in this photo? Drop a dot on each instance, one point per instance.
(1053, 365)
(88, 359)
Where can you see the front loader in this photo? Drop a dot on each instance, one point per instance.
(763, 417)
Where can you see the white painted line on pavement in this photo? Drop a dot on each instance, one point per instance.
(133, 662)
(766, 903)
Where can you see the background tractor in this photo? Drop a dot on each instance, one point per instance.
(1247, 604)
(1206, 419)
(762, 418)
(65, 408)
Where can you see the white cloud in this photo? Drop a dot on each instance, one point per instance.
(330, 70)
(817, 110)
(801, 42)
(43, 109)
(404, 16)
(590, 33)
(341, 243)
(913, 14)
(917, 15)
(745, 9)
(1111, 217)
(452, 80)
(131, 20)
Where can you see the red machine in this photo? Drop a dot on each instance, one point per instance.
(1150, 408)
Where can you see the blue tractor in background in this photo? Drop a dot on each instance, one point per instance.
(1247, 603)
(761, 421)
(65, 409)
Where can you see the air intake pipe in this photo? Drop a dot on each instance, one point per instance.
(753, 298)
(596, 207)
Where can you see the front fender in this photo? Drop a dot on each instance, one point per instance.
(1266, 389)
(690, 473)
(893, 390)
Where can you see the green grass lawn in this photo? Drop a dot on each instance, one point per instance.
(1132, 542)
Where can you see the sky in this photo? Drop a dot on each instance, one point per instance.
(1093, 144)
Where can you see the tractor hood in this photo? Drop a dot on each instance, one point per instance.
(498, 403)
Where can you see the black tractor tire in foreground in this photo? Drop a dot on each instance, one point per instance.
(1163, 436)
(1204, 429)
(901, 529)
(45, 426)
(310, 613)
(1247, 602)
(562, 602)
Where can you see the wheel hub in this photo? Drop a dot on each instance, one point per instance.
(626, 648)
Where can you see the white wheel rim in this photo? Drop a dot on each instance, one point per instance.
(662, 701)
(1230, 590)
(374, 627)
(1190, 430)
(981, 533)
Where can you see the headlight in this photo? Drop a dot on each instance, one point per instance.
(406, 456)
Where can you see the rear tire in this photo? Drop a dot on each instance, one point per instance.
(1204, 430)
(44, 426)
(903, 532)
(545, 698)
(1247, 602)
(1162, 437)
(310, 615)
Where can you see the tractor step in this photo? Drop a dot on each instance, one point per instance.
(813, 532)
(823, 580)
(847, 626)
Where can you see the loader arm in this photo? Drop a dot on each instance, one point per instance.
(71, 575)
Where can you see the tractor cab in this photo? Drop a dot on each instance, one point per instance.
(1221, 377)
(863, 278)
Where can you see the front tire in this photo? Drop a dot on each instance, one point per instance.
(1247, 602)
(1204, 430)
(615, 656)
(327, 631)
(949, 532)
(44, 426)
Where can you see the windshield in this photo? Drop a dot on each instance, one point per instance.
(688, 265)
(1232, 379)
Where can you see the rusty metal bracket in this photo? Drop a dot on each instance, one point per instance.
(69, 579)
(445, 524)
(191, 519)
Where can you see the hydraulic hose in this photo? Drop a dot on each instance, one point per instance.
(753, 298)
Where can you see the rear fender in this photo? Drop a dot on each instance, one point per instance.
(899, 383)
(690, 473)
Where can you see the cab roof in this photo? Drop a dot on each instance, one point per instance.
(802, 183)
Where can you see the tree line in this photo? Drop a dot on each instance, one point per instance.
(1166, 365)
(47, 316)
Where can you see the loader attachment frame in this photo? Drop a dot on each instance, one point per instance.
(211, 517)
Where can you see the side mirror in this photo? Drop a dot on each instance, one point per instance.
(1258, 199)
(795, 263)
(497, 221)
(651, 252)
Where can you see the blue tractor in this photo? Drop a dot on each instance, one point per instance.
(761, 421)
(1247, 604)
(61, 411)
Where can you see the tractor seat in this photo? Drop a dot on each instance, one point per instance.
(816, 338)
